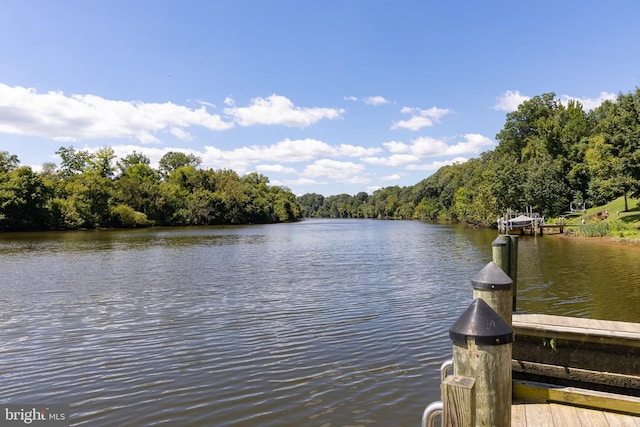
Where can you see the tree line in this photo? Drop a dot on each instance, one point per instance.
(93, 190)
(549, 154)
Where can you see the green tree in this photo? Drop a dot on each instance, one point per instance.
(101, 163)
(137, 186)
(174, 160)
(544, 187)
(83, 189)
(205, 207)
(525, 123)
(23, 200)
(8, 162)
(285, 207)
(311, 204)
(84, 201)
(131, 160)
(613, 154)
(72, 161)
(258, 207)
(171, 204)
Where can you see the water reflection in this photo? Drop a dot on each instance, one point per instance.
(323, 322)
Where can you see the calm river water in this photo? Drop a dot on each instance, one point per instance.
(320, 323)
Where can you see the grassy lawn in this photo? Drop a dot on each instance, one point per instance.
(618, 224)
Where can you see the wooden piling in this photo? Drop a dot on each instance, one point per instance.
(505, 254)
(482, 343)
(500, 252)
(513, 268)
(494, 287)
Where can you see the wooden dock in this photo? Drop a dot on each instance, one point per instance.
(532, 223)
(575, 372)
(559, 415)
(587, 353)
(521, 369)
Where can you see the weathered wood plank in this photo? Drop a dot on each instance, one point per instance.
(609, 337)
(576, 374)
(576, 322)
(459, 401)
(537, 392)
(539, 415)
(563, 415)
(591, 418)
(518, 416)
(618, 420)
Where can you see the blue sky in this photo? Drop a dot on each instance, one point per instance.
(320, 96)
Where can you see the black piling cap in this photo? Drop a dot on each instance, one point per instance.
(500, 241)
(491, 277)
(481, 322)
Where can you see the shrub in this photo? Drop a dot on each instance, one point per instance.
(126, 216)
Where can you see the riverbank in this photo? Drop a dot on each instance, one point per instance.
(607, 223)
(628, 243)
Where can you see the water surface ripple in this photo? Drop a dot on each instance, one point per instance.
(321, 323)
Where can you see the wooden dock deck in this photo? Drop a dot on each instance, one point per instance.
(525, 414)
(535, 369)
(588, 356)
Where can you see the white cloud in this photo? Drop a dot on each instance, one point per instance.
(420, 118)
(396, 146)
(279, 110)
(287, 151)
(510, 100)
(54, 115)
(437, 164)
(473, 144)
(590, 103)
(425, 146)
(394, 177)
(356, 151)
(275, 169)
(430, 147)
(345, 172)
(206, 104)
(414, 123)
(302, 181)
(369, 100)
(393, 160)
(375, 100)
(179, 133)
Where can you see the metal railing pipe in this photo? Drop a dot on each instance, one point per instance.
(445, 369)
(428, 417)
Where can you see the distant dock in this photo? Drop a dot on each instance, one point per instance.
(521, 222)
(529, 222)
